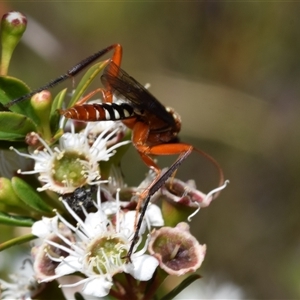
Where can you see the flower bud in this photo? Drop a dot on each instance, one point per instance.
(13, 25)
(41, 103)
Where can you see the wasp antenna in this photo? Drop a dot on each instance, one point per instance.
(87, 61)
(50, 84)
(71, 72)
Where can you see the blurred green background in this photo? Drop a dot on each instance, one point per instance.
(231, 70)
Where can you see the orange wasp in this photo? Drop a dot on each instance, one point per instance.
(154, 126)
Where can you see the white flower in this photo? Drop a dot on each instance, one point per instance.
(74, 162)
(23, 286)
(94, 129)
(100, 249)
(47, 229)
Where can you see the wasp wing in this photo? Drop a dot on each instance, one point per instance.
(134, 92)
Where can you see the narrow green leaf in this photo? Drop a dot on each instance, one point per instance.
(17, 241)
(12, 88)
(184, 284)
(14, 126)
(29, 195)
(15, 220)
(57, 135)
(58, 101)
(57, 104)
(86, 80)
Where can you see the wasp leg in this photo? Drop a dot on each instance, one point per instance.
(150, 191)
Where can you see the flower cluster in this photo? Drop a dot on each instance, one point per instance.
(93, 236)
(74, 162)
(88, 232)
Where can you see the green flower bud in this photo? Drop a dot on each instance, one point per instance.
(13, 25)
(41, 103)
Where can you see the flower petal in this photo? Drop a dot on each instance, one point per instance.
(44, 227)
(128, 222)
(154, 216)
(98, 286)
(69, 265)
(142, 267)
(95, 223)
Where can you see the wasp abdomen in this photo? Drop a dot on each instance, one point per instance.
(99, 112)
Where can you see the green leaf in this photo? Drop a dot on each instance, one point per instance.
(29, 195)
(54, 115)
(12, 88)
(14, 126)
(58, 101)
(184, 284)
(86, 80)
(7, 219)
(57, 135)
(17, 241)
